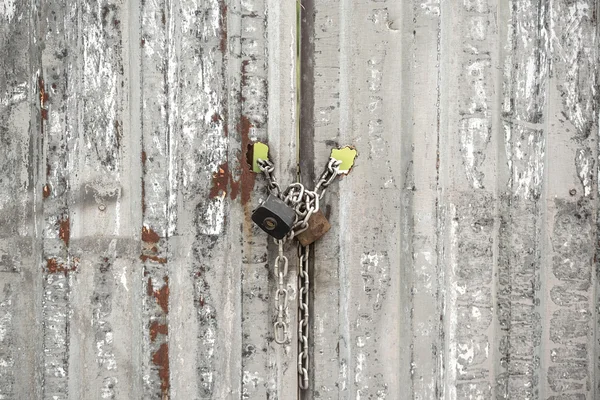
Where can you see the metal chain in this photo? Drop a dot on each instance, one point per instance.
(267, 169)
(305, 203)
(280, 326)
(303, 314)
(331, 172)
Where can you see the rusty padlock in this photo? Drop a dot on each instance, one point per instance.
(317, 227)
(274, 217)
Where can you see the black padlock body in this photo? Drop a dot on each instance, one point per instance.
(274, 217)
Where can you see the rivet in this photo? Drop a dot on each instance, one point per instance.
(101, 207)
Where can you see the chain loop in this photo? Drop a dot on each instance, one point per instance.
(281, 296)
(303, 315)
(305, 203)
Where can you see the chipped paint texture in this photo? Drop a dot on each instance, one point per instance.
(461, 260)
(482, 119)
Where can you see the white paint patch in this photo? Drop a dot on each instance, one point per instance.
(124, 278)
(584, 162)
(474, 137)
(253, 378)
(213, 219)
(431, 7)
(5, 322)
(8, 9)
(525, 149)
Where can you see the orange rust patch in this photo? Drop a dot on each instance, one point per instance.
(44, 97)
(64, 231)
(55, 267)
(223, 179)
(149, 236)
(156, 328)
(161, 359)
(161, 295)
(46, 191)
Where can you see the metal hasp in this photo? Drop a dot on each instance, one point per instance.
(274, 217)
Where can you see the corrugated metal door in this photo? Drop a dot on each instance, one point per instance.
(461, 263)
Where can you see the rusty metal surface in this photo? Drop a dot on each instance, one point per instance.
(461, 259)
(126, 247)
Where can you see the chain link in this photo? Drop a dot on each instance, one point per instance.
(305, 203)
(267, 168)
(303, 315)
(280, 326)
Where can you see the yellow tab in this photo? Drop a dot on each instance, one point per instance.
(259, 150)
(346, 155)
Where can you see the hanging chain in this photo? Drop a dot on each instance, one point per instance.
(280, 326)
(303, 314)
(305, 203)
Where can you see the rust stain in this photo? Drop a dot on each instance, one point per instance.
(223, 18)
(247, 177)
(64, 231)
(161, 295)
(163, 17)
(216, 118)
(149, 236)
(156, 328)
(53, 266)
(46, 191)
(44, 97)
(149, 288)
(161, 359)
(142, 42)
(160, 260)
(223, 179)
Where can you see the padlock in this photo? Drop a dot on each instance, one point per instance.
(274, 217)
(317, 227)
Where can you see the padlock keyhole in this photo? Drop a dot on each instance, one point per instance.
(270, 223)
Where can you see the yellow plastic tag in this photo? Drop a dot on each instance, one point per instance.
(346, 155)
(259, 151)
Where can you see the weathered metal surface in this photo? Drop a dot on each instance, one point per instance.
(472, 206)
(127, 245)
(461, 259)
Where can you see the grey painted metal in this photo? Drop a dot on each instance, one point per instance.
(461, 262)
(462, 254)
(130, 267)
